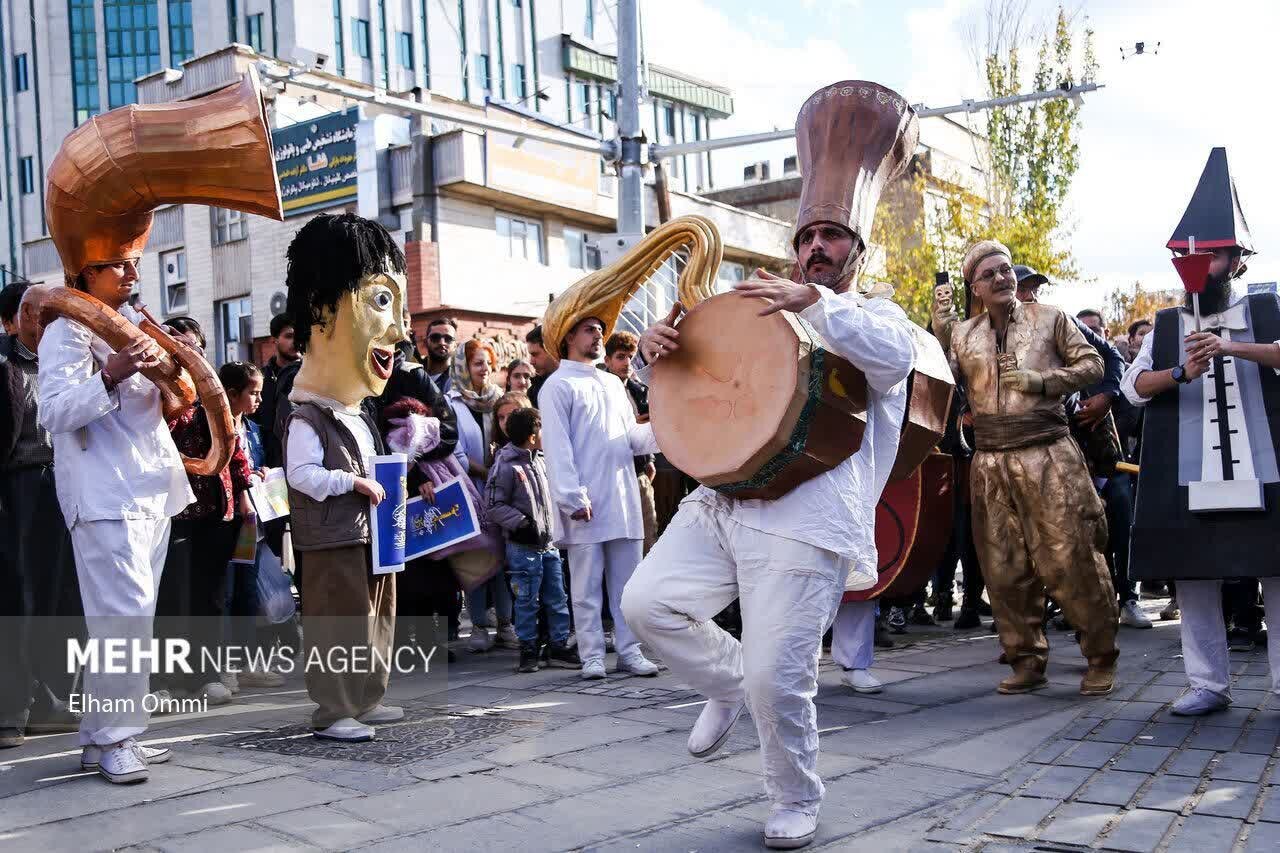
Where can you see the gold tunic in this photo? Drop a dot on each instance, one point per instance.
(1038, 522)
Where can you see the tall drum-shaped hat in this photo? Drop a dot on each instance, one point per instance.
(1214, 216)
(852, 137)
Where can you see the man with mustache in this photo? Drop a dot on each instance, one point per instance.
(1209, 487)
(1037, 521)
(788, 560)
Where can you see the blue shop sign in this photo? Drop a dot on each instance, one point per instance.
(316, 161)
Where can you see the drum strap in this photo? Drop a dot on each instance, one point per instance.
(1010, 432)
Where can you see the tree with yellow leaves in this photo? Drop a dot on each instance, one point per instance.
(927, 219)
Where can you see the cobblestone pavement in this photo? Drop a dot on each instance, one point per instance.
(496, 761)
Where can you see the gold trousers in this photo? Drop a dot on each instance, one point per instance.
(347, 614)
(1039, 527)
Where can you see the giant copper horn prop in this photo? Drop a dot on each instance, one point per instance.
(106, 180)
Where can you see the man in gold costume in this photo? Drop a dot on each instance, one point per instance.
(1037, 520)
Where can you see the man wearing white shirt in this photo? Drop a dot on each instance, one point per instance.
(786, 560)
(1209, 487)
(590, 438)
(120, 482)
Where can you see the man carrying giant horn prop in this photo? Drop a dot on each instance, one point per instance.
(787, 559)
(108, 376)
(1209, 490)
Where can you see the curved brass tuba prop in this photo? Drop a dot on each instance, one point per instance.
(605, 292)
(103, 186)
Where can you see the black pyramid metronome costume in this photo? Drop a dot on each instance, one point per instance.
(1209, 489)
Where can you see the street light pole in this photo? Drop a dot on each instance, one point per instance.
(630, 140)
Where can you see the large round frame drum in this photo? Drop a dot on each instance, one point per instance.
(913, 526)
(753, 406)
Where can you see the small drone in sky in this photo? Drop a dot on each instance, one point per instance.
(1139, 49)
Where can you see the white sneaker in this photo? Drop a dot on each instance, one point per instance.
(161, 701)
(253, 679)
(91, 755)
(480, 640)
(861, 680)
(1131, 614)
(122, 764)
(507, 638)
(637, 664)
(789, 829)
(346, 729)
(215, 693)
(382, 714)
(593, 670)
(231, 681)
(713, 727)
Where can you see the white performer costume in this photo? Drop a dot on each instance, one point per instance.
(785, 560)
(853, 635)
(590, 436)
(120, 481)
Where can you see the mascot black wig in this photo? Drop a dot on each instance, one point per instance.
(327, 258)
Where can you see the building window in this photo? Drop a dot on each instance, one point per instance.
(181, 36)
(482, 72)
(360, 35)
(589, 24)
(84, 60)
(233, 21)
(521, 237)
(728, 274)
(584, 103)
(253, 31)
(519, 83)
(669, 120)
(406, 50)
(229, 226)
(339, 46)
(173, 281)
(26, 176)
(234, 330)
(581, 255)
(133, 45)
(21, 78)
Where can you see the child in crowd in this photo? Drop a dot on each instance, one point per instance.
(518, 499)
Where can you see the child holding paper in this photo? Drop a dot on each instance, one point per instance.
(518, 499)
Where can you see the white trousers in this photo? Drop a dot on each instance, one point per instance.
(589, 567)
(118, 563)
(788, 593)
(853, 635)
(1204, 634)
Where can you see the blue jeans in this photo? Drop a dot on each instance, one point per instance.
(537, 580)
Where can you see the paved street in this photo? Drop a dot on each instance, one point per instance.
(492, 760)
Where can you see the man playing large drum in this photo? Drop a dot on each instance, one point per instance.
(787, 559)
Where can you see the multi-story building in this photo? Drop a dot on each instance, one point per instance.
(493, 223)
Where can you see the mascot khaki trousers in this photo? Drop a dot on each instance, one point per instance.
(347, 614)
(788, 592)
(1039, 528)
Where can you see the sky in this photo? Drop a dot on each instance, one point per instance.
(1144, 140)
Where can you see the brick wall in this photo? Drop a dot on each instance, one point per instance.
(423, 261)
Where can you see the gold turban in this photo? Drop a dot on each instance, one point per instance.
(978, 253)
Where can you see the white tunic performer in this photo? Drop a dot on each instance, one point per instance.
(787, 560)
(120, 482)
(590, 437)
